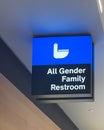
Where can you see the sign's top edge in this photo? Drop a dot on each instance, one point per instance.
(61, 35)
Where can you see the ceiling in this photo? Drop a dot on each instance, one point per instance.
(21, 19)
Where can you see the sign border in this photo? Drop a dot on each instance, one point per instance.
(54, 98)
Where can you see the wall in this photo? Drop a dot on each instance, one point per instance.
(17, 112)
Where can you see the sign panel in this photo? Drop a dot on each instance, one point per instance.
(62, 68)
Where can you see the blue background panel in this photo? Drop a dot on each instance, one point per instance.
(80, 50)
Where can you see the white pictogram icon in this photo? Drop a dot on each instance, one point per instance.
(59, 54)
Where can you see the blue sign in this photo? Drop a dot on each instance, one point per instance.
(62, 68)
(62, 50)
